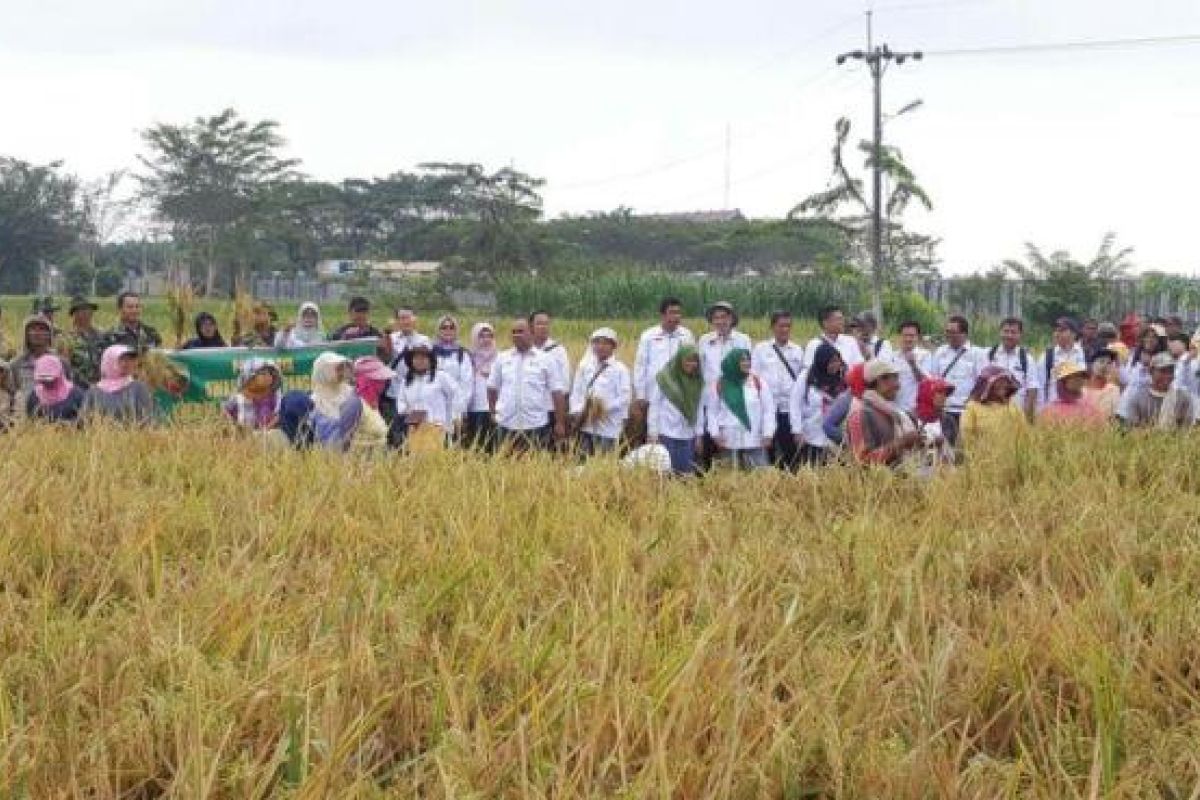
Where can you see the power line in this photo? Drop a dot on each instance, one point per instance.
(1084, 44)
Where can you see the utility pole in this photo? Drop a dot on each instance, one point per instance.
(877, 59)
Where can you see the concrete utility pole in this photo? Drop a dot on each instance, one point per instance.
(877, 59)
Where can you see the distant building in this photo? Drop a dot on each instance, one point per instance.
(334, 268)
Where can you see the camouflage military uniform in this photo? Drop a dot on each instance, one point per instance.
(82, 351)
(141, 338)
(256, 339)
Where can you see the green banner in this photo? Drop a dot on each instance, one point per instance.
(208, 376)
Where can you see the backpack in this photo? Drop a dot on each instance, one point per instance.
(1022, 356)
(878, 346)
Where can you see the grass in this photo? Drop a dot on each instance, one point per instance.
(185, 616)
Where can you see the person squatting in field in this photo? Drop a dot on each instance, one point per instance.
(719, 399)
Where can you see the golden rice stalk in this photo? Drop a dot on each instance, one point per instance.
(243, 312)
(180, 302)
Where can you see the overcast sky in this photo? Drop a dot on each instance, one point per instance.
(627, 103)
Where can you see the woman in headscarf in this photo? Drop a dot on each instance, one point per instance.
(295, 421)
(741, 412)
(454, 361)
(426, 399)
(480, 427)
(256, 404)
(673, 418)
(834, 424)
(990, 413)
(118, 396)
(207, 334)
(54, 398)
(371, 377)
(305, 331)
(337, 410)
(932, 393)
(812, 399)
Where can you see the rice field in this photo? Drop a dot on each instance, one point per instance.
(185, 615)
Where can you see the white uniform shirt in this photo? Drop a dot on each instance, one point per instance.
(436, 396)
(846, 345)
(1050, 393)
(1028, 376)
(1185, 375)
(713, 350)
(907, 397)
(655, 348)
(780, 374)
(401, 343)
(664, 419)
(810, 405)
(479, 398)
(611, 385)
(458, 366)
(760, 408)
(880, 348)
(959, 367)
(560, 361)
(524, 383)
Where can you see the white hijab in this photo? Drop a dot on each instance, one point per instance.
(329, 391)
(301, 336)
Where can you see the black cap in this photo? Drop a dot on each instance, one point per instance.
(79, 303)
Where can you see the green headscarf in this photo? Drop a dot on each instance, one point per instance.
(732, 380)
(683, 390)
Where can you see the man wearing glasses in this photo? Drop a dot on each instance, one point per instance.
(959, 362)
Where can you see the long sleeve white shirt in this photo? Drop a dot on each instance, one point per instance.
(1050, 392)
(460, 369)
(812, 416)
(525, 383)
(959, 367)
(846, 345)
(780, 374)
(437, 396)
(655, 348)
(608, 382)
(479, 396)
(664, 419)
(713, 350)
(400, 343)
(724, 426)
(560, 361)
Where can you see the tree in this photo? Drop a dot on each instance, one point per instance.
(1063, 286)
(105, 213)
(210, 179)
(39, 221)
(902, 249)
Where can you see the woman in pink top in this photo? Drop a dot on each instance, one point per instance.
(1070, 407)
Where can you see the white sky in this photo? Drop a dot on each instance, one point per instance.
(626, 103)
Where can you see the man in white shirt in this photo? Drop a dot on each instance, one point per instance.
(959, 362)
(717, 343)
(657, 346)
(539, 327)
(402, 336)
(1066, 348)
(601, 396)
(1011, 355)
(833, 327)
(778, 362)
(523, 384)
(912, 362)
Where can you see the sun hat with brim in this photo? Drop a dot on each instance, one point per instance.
(1068, 368)
(371, 368)
(1162, 361)
(80, 303)
(721, 305)
(605, 333)
(879, 368)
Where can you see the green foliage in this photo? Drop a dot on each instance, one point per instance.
(418, 293)
(39, 220)
(1060, 285)
(638, 295)
(901, 306)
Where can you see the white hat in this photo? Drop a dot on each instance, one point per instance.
(649, 456)
(605, 333)
(878, 368)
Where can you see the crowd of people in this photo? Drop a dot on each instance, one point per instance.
(685, 403)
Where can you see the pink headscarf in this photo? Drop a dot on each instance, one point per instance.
(482, 357)
(49, 382)
(111, 379)
(371, 377)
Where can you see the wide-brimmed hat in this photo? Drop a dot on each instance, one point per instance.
(721, 305)
(879, 368)
(1068, 368)
(371, 368)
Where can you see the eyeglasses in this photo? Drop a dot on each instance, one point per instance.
(446, 327)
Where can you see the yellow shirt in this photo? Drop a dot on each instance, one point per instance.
(987, 423)
(371, 434)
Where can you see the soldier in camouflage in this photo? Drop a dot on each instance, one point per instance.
(130, 330)
(38, 340)
(263, 333)
(81, 346)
